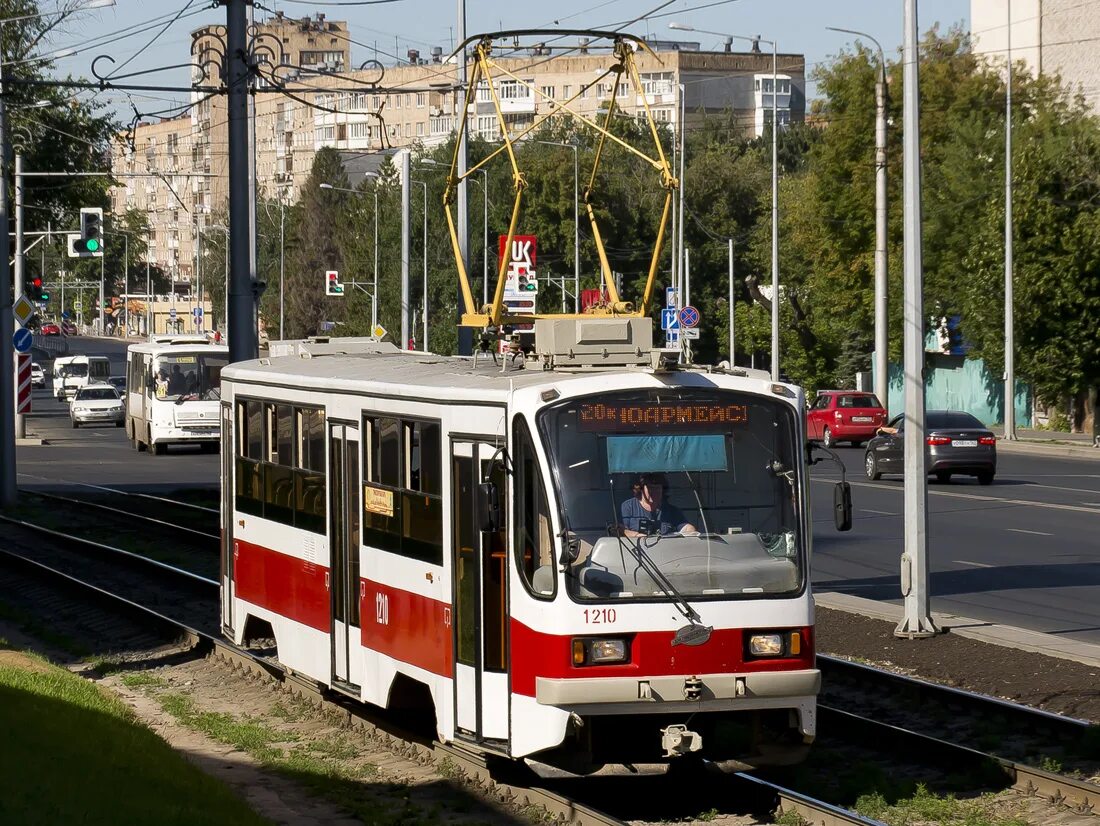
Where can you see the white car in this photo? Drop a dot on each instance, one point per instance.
(38, 376)
(97, 403)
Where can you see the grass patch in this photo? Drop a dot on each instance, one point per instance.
(142, 680)
(927, 807)
(74, 754)
(245, 734)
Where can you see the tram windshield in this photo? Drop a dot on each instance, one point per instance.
(686, 490)
(188, 377)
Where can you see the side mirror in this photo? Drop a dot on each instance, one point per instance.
(488, 507)
(842, 506)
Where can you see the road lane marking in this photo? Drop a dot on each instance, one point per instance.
(1033, 533)
(883, 513)
(972, 564)
(1058, 487)
(991, 499)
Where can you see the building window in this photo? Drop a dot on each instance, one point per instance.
(514, 90)
(567, 91)
(420, 129)
(547, 92)
(421, 99)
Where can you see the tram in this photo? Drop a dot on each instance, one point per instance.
(406, 525)
(173, 385)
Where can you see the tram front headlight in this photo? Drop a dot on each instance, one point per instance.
(600, 652)
(766, 645)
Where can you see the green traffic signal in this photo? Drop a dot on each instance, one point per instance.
(91, 245)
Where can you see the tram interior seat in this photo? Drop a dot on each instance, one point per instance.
(731, 563)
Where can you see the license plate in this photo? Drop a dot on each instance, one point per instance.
(862, 419)
(963, 443)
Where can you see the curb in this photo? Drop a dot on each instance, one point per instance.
(1005, 636)
(1082, 451)
(30, 441)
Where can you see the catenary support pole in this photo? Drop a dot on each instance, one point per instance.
(775, 214)
(882, 341)
(242, 327)
(20, 263)
(8, 489)
(917, 620)
(1010, 343)
(405, 187)
(732, 307)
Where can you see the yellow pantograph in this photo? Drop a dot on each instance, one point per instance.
(622, 53)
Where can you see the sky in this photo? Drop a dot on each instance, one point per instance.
(392, 28)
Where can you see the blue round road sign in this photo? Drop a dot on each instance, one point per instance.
(22, 340)
(689, 317)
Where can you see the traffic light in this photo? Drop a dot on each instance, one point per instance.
(89, 243)
(528, 284)
(36, 291)
(332, 283)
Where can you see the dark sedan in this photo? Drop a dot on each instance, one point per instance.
(955, 443)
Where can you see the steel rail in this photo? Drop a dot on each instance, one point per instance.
(128, 514)
(1081, 796)
(203, 508)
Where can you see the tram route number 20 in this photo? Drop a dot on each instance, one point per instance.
(599, 616)
(382, 609)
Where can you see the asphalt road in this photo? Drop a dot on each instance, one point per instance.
(1024, 551)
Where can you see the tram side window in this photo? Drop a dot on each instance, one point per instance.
(280, 467)
(534, 544)
(249, 470)
(402, 503)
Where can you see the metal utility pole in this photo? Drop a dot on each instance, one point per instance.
(8, 489)
(405, 250)
(917, 621)
(775, 215)
(374, 288)
(465, 334)
(282, 257)
(882, 342)
(243, 339)
(102, 297)
(732, 305)
(424, 235)
(1010, 344)
(20, 263)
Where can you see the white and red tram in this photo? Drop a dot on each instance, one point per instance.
(410, 525)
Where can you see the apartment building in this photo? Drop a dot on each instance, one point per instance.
(1048, 36)
(370, 108)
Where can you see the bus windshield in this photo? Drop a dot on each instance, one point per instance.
(681, 490)
(181, 377)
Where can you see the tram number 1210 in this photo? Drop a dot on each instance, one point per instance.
(382, 609)
(599, 616)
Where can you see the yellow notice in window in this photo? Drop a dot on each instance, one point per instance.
(378, 500)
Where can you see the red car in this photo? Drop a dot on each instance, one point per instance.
(844, 416)
(48, 328)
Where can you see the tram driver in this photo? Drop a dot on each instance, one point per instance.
(648, 513)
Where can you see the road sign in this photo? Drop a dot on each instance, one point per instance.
(689, 316)
(669, 319)
(197, 312)
(379, 331)
(689, 332)
(23, 383)
(22, 340)
(78, 305)
(172, 314)
(671, 298)
(23, 309)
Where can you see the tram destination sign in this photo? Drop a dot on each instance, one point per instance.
(651, 416)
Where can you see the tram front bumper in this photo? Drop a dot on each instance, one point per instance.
(743, 689)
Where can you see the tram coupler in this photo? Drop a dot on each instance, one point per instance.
(677, 740)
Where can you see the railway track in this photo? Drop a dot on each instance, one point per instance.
(182, 602)
(132, 587)
(183, 525)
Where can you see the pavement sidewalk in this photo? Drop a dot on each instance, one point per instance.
(1007, 636)
(1047, 442)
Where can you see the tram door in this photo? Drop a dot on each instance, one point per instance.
(343, 463)
(227, 503)
(480, 598)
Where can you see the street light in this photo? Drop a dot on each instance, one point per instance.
(576, 229)
(775, 181)
(374, 289)
(8, 487)
(881, 340)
